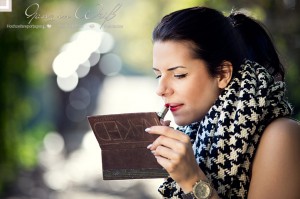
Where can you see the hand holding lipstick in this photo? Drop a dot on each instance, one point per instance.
(173, 151)
(162, 115)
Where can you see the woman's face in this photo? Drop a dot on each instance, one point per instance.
(184, 82)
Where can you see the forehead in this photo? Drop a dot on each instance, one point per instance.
(183, 48)
(170, 53)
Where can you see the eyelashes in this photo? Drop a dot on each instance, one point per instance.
(158, 76)
(179, 76)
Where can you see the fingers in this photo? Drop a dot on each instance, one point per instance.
(171, 154)
(165, 123)
(167, 131)
(164, 141)
(167, 158)
(173, 151)
(165, 163)
(168, 137)
(171, 144)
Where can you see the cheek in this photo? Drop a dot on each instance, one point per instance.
(204, 95)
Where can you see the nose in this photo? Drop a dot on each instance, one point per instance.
(164, 88)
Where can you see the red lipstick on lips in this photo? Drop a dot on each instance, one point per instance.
(174, 107)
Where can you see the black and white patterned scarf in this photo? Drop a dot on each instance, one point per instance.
(225, 141)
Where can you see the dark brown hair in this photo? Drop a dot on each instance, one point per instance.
(216, 38)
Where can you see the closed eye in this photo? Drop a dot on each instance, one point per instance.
(181, 76)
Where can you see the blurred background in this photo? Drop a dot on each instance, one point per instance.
(61, 61)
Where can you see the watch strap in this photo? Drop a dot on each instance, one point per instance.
(188, 196)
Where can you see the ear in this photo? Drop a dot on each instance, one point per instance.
(225, 74)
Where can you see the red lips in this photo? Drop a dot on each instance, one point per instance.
(174, 107)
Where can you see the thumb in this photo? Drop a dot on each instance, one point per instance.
(165, 122)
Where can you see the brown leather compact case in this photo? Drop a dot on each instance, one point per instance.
(123, 142)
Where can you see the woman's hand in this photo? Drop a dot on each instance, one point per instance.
(173, 151)
(165, 122)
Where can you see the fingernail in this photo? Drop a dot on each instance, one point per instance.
(153, 152)
(147, 129)
(149, 146)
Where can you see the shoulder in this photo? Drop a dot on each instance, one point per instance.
(281, 138)
(282, 131)
(275, 170)
(284, 125)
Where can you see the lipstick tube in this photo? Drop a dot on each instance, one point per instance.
(163, 113)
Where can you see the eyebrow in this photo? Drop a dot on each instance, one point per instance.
(170, 69)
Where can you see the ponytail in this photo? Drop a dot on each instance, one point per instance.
(259, 46)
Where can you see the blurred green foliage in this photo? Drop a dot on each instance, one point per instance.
(26, 58)
(23, 73)
(19, 140)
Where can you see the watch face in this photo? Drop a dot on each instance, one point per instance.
(202, 190)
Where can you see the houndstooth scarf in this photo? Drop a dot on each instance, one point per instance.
(225, 141)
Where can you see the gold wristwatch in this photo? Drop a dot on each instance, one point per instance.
(201, 190)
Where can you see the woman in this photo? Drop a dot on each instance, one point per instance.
(234, 139)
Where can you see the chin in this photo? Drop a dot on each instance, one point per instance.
(181, 122)
(185, 121)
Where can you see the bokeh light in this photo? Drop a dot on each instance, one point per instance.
(94, 58)
(107, 43)
(66, 63)
(54, 143)
(80, 98)
(68, 83)
(110, 64)
(83, 70)
(75, 114)
(82, 52)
